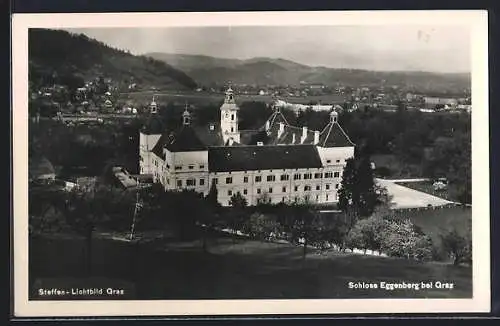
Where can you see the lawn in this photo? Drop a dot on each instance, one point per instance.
(235, 269)
(434, 222)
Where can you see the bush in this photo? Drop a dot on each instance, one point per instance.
(458, 247)
(402, 239)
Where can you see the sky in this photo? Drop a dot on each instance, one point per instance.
(411, 48)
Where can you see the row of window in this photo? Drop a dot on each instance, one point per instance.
(295, 199)
(330, 161)
(190, 183)
(284, 189)
(286, 177)
(190, 167)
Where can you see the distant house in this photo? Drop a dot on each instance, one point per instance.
(41, 169)
(439, 100)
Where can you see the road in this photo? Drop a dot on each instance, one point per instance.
(404, 197)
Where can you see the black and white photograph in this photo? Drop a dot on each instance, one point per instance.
(270, 163)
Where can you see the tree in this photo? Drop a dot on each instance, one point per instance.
(236, 215)
(400, 238)
(261, 226)
(366, 234)
(183, 209)
(458, 246)
(305, 223)
(357, 193)
(85, 210)
(213, 195)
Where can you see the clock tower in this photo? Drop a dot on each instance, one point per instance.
(229, 119)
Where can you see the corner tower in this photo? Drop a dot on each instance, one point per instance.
(148, 137)
(229, 118)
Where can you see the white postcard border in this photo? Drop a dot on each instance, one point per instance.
(480, 302)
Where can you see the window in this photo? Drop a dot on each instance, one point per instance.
(328, 161)
(283, 189)
(191, 167)
(337, 161)
(307, 176)
(307, 188)
(336, 174)
(317, 198)
(190, 182)
(337, 186)
(245, 191)
(178, 167)
(232, 129)
(270, 190)
(215, 180)
(326, 197)
(328, 175)
(179, 183)
(202, 166)
(258, 178)
(318, 187)
(168, 166)
(229, 180)
(245, 179)
(283, 199)
(318, 175)
(168, 181)
(202, 182)
(258, 190)
(270, 178)
(295, 188)
(284, 177)
(232, 116)
(296, 176)
(229, 192)
(327, 187)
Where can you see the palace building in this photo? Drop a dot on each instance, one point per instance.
(276, 163)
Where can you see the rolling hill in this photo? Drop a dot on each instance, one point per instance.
(59, 53)
(209, 70)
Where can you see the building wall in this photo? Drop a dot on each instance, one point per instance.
(146, 144)
(229, 125)
(335, 156)
(277, 190)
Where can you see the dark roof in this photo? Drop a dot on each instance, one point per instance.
(250, 137)
(334, 136)
(184, 139)
(210, 137)
(251, 158)
(153, 125)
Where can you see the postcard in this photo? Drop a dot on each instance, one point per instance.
(250, 163)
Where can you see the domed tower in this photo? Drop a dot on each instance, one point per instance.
(149, 135)
(229, 118)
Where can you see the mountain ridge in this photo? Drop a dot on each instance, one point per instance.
(61, 53)
(266, 70)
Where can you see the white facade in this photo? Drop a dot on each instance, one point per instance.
(146, 144)
(229, 119)
(282, 185)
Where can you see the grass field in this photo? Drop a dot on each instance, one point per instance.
(436, 221)
(236, 269)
